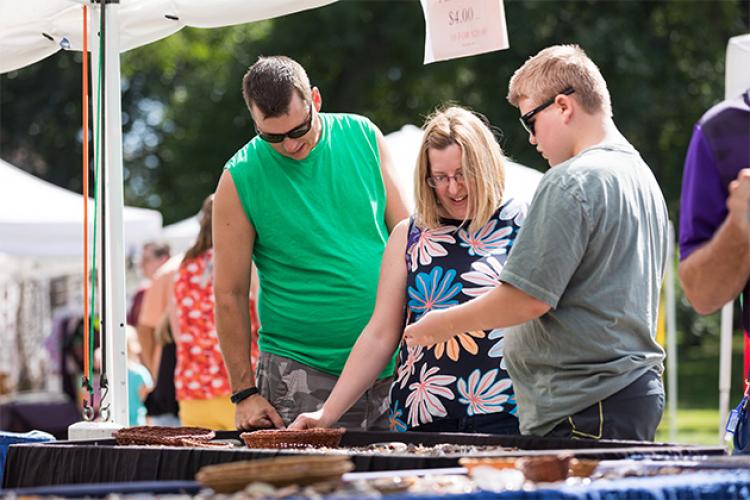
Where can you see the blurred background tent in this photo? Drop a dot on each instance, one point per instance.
(41, 277)
(182, 234)
(737, 76)
(41, 221)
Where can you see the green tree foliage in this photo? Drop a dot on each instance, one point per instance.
(183, 113)
(40, 119)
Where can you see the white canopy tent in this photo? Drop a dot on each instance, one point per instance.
(31, 31)
(42, 221)
(182, 234)
(737, 77)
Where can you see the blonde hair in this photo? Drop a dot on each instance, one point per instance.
(556, 68)
(482, 164)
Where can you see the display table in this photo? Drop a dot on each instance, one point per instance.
(101, 461)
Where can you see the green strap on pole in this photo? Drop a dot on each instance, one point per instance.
(96, 218)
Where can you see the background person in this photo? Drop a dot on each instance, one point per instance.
(714, 222)
(158, 354)
(201, 379)
(153, 255)
(139, 380)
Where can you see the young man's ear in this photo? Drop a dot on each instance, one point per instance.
(566, 107)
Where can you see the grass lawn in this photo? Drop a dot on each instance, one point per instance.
(694, 426)
(698, 389)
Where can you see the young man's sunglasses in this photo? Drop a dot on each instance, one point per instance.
(526, 119)
(295, 133)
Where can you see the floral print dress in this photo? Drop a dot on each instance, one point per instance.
(466, 375)
(200, 371)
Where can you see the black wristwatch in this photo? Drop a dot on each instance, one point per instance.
(243, 394)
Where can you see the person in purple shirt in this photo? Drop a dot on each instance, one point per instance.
(715, 209)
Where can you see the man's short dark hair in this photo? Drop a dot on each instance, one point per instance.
(269, 84)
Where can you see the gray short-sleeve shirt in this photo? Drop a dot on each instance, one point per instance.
(593, 248)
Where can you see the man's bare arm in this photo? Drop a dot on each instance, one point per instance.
(717, 272)
(234, 239)
(149, 354)
(395, 207)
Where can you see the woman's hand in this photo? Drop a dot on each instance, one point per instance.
(309, 420)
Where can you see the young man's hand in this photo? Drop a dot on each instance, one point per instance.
(431, 329)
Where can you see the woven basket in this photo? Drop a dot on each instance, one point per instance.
(166, 436)
(582, 467)
(494, 462)
(281, 471)
(309, 438)
(545, 468)
(200, 443)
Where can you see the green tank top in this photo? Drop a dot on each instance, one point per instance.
(320, 236)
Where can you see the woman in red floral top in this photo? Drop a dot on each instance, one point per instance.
(201, 379)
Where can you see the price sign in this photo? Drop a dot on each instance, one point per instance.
(459, 28)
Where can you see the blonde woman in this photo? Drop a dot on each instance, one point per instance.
(449, 252)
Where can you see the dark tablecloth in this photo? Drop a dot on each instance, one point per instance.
(54, 417)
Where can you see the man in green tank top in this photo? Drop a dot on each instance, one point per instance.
(311, 200)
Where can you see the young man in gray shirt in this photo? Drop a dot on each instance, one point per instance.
(581, 286)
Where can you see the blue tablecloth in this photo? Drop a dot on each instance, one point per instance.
(9, 438)
(103, 489)
(725, 484)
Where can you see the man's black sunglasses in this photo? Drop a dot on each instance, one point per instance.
(295, 133)
(526, 119)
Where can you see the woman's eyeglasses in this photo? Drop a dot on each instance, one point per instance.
(526, 119)
(295, 133)
(443, 180)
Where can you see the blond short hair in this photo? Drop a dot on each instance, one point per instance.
(482, 163)
(556, 68)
